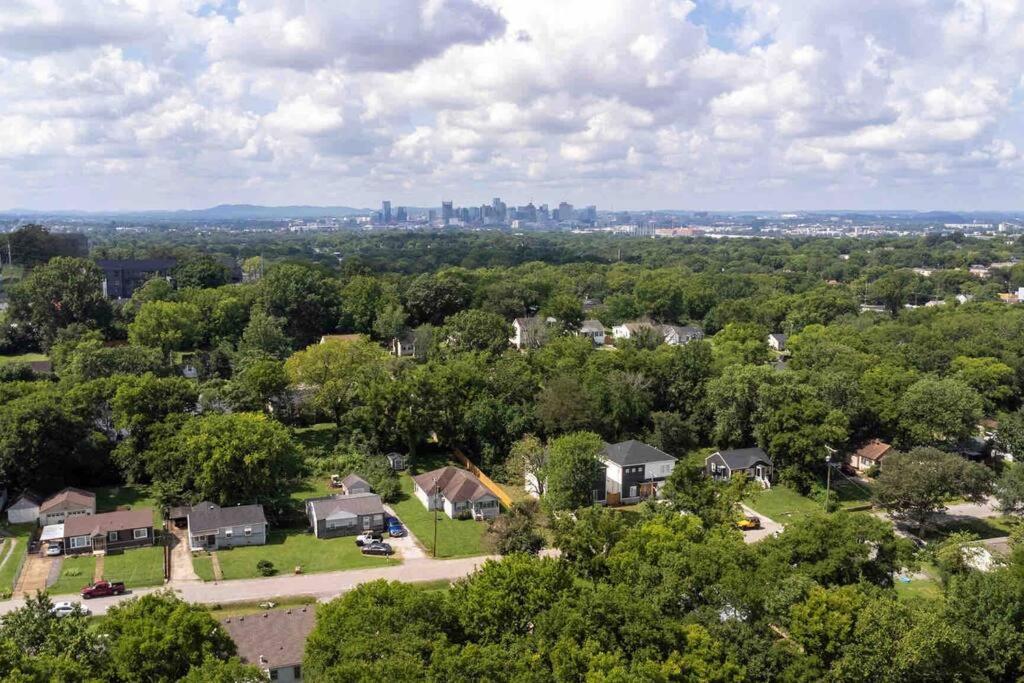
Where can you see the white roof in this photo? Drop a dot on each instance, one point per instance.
(52, 532)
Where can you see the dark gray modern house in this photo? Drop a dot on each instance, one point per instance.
(338, 515)
(634, 471)
(122, 278)
(753, 461)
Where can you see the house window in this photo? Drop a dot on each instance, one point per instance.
(248, 531)
(80, 542)
(367, 522)
(228, 533)
(273, 674)
(140, 533)
(111, 535)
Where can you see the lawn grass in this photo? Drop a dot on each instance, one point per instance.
(313, 487)
(320, 437)
(851, 495)
(75, 572)
(290, 549)
(782, 504)
(919, 590)
(110, 498)
(137, 567)
(455, 537)
(8, 572)
(23, 358)
(990, 527)
(203, 566)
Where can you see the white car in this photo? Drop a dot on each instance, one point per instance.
(54, 549)
(63, 609)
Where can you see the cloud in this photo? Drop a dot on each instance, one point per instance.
(137, 103)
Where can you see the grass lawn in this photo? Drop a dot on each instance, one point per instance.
(21, 533)
(23, 358)
(77, 571)
(289, 549)
(110, 498)
(849, 494)
(313, 487)
(924, 590)
(138, 567)
(782, 504)
(203, 566)
(991, 527)
(455, 537)
(321, 436)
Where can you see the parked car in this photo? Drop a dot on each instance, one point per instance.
(103, 588)
(33, 546)
(749, 523)
(395, 527)
(378, 548)
(63, 609)
(368, 537)
(54, 549)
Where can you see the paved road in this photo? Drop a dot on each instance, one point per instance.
(320, 586)
(977, 510)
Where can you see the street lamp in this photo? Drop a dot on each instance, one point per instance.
(828, 472)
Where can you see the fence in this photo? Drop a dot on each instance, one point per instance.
(484, 479)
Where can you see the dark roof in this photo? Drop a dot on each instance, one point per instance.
(743, 458)
(634, 452)
(353, 504)
(456, 485)
(778, 336)
(92, 525)
(207, 516)
(30, 497)
(137, 264)
(70, 495)
(276, 636)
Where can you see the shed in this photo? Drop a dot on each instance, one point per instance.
(353, 483)
(25, 508)
(397, 461)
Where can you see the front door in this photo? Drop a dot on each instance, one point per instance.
(211, 540)
(632, 491)
(759, 472)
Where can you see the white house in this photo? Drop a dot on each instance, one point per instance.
(634, 470)
(673, 335)
(24, 509)
(529, 333)
(631, 329)
(594, 329)
(403, 345)
(457, 492)
(777, 342)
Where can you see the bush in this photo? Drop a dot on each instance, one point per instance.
(266, 568)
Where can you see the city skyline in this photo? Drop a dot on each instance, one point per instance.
(721, 105)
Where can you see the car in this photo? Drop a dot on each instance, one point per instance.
(33, 546)
(63, 609)
(749, 523)
(395, 528)
(103, 588)
(368, 537)
(54, 549)
(378, 548)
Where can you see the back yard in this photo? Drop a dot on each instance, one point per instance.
(110, 498)
(14, 551)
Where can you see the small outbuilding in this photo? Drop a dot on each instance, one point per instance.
(24, 509)
(353, 483)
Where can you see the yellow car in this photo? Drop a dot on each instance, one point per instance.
(749, 523)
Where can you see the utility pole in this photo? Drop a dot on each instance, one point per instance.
(828, 469)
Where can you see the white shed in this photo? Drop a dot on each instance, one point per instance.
(25, 509)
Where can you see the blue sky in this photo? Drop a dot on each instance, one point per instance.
(727, 104)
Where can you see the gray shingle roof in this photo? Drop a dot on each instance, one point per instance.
(208, 516)
(355, 504)
(456, 485)
(354, 480)
(634, 452)
(744, 458)
(278, 636)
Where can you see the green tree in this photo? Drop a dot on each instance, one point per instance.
(587, 538)
(741, 343)
(572, 470)
(516, 531)
(991, 378)
(566, 309)
(257, 384)
(264, 337)
(201, 272)
(528, 457)
(559, 407)
(732, 400)
(1009, 489)
(937, 411)
(63, 292)
(42, 444)
(476, 330)
(304, 298)
(432, 298)
(214, 670)
(166, 325)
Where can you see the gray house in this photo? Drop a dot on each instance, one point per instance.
(211, 527)
(353, 483)
(634, 470)
(752, 461)
(332, 516)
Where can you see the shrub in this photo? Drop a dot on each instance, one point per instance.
(266, 568)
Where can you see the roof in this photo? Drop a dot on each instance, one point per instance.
(31, 498)
(456, 485)
(92, 525)
(354, 480)
(681, 330)
(777, 336)
(743, 458)
(873, 450)
(207, 516)
(52, 532)
(638, 325)
(634, 452)
(353, 504)
(136, 264)
(72, 496)
(272, 639)
(592, 326)
(340, 337)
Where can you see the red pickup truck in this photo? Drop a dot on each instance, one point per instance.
(103, 588)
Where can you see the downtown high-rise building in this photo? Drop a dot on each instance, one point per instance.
(385, 211)
(447, 212)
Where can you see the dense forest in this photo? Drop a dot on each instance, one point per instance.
(668, 591)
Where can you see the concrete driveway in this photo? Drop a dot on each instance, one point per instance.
(35, 573)
(769, 527)
(181, 556)
(406, 546)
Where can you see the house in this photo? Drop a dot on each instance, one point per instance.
(24, 509)
(274, 640)
(108, 531)
(868, 455)
(331, 516)
(594, 329)
(353, 483)
(70, 502)
(457, 492)
(753, 461)
(529, 333)
(632, 329)
(777, 342)
(397, 461)
(404, 345)
(634, 471)
(677, 335)
(212, 527)
(122, 277)
(341, 338)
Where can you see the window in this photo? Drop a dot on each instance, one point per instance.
(248, 531)
(111, 535)
(298, 672)
(367, 522)
(228, 533)
(273, 674)
(80, 542)
(140, 533)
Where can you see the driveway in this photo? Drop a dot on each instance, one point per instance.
(181, 556)
(406, 545)
(769, 527)
(320, 586)
(35, 573)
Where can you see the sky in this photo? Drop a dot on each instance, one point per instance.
(626, 104)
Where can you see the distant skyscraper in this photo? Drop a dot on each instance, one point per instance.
(402, 215)
(565, 211)
(447, 212)
(385, 211)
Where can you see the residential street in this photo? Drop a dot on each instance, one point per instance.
(321, 586)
